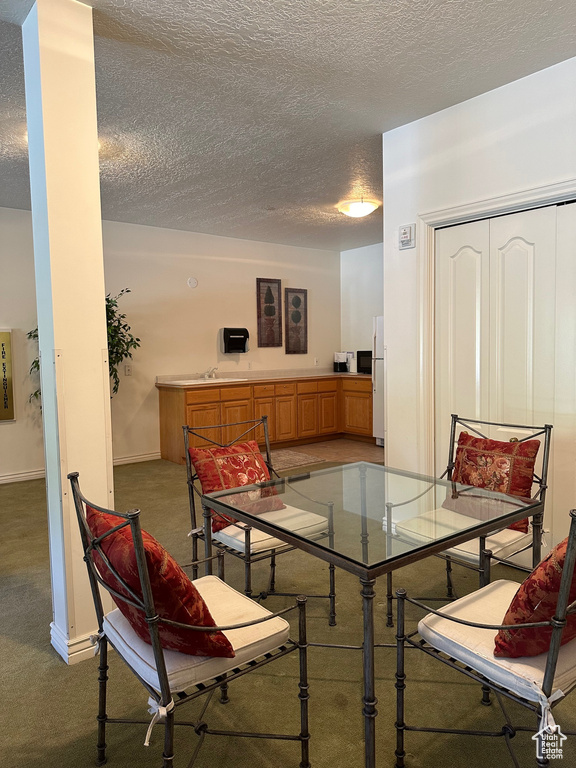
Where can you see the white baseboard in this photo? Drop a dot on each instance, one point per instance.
(18, 477)
(38, 474)
(72, 651)
(138, 458)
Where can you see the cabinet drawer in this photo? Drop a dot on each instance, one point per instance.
(263, 390)
(235, 393)
(285, 389)
(357, 385)
(307, 387)
(328, 385)
(194, 396)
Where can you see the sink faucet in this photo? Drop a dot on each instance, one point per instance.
(210, 373)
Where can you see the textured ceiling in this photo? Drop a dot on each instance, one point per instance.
(253, 118)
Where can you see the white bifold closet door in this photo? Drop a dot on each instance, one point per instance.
(505, 319)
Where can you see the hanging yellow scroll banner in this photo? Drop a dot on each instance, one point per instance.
(6, 388)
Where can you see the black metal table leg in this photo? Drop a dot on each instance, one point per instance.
(207, 539)
(369, 700)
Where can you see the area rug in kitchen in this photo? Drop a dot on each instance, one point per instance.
(286, 459)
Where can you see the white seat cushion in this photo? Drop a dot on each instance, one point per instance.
(227, 607)
(298, 521)
(475, 647)
(436, 523)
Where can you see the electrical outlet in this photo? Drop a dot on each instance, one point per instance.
(315, 361)
(249, 366)
(127, 370)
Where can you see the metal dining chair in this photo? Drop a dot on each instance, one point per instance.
(181, 639)
(523, 650)
(524, 473)
(227, 456)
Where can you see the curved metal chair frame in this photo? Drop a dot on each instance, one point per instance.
(542, 709)
(485, 556)
(249, 431)
(164, 705)
(539, 479)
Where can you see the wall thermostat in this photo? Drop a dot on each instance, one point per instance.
(407, 236)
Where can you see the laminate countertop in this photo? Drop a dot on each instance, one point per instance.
(254, 377)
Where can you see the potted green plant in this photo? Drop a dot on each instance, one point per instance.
(121, 342)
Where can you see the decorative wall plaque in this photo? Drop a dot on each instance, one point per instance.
(269, 305)
(296, 309)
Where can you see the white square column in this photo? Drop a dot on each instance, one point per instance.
(66, 218)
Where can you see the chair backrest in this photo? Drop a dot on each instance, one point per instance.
(562, 608)
(253, 429)
(144, 603)
(522, 433)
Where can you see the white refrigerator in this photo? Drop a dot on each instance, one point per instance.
(378, 380)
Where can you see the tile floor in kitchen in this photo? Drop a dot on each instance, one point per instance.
(343, 449)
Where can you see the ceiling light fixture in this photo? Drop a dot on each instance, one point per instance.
(357, 208)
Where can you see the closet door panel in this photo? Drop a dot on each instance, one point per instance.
(461, 327)
(522, 324)
(562, 478)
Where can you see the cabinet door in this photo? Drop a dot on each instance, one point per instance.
(307, 415)
(357, 413)
(204, 415)
(327, 412)
(286, 417)
(265, 406)
(234, 411)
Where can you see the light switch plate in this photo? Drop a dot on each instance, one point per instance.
(407, 236)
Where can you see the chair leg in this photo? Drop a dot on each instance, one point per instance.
(247, 564)
(400, 681)
(486, 700)
(194, 556)
(272, 582)
(389, 617)
(541, 760)
(449, 582)
(168, 754)
(224, 698)
(102, 716)
(485, 559)
(303, 694)
(332, 595)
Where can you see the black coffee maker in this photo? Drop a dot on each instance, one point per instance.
(340, 362)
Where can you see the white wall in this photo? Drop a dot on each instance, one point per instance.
(178, 326)
(486, 154)
(21, 451)
(361, 295)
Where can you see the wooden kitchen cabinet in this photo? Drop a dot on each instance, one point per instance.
(265, 405)
(236, 406)
(298, 410)
(285, 407)
(202, 410)
(357, 406)
(327, 413)
(307, 400)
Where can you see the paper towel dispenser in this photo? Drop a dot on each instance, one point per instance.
(235, 340)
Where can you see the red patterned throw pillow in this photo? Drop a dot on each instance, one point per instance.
(232, 467)
(535, 601)
(498, 466)
(175, 596)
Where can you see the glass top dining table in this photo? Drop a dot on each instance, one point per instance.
(377, 519)
(367, 507)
